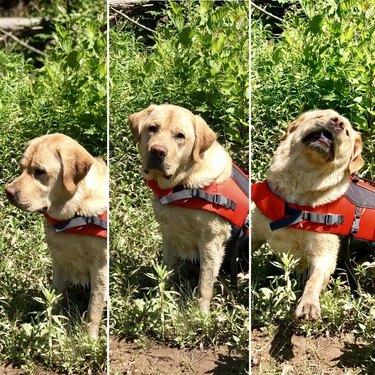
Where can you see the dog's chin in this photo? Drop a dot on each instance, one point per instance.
(29, 208)
(42, 210)
(157, 173)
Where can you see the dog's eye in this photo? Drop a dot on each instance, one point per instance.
(152, 128)
(180, 136)
(38, 172)
(347, 133)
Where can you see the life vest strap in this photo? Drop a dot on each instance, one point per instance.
(241, 179)
(218, 199)
(237, 235)
(80, 221)
(357, 219)
(295, 216)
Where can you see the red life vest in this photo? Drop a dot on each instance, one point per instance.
(229, 199)
(81, 225)
(352, 214)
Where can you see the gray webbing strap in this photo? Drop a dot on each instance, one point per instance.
(357, 218)
(218, 199)
(80, 221)
(328, 219)
(295, 216)
(241, 180)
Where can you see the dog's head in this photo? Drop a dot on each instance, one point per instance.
(170, 139)
(52, 167)
(323, 137)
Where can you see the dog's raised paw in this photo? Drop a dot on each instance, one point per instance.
(308, 310)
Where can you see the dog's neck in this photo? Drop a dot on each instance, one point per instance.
(322, 186)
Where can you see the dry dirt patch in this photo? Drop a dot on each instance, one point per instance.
(9, 370)
(131, 359)
(299, 355)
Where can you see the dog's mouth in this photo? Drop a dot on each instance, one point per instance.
(27, 208)
(322, 140)
(165, 175)
(24, 206)
(159, 165)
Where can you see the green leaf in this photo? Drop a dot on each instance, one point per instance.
(28, 328)
(316, 23)
(218, 43)
(186, 36)
(72, 59)
(276, 56)
(206, 5)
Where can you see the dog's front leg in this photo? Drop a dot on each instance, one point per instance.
(211, 258)
(97, 300)
(60, 279)
(260, 229)
(320, 268)
(170, 256)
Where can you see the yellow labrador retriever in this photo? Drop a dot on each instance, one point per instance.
(178, 148)
(310, 167)
(62, 180)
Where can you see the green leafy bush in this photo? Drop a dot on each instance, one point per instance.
(324, 58)
(64, 91)
(198, 60)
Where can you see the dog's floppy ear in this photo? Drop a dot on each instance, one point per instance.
(76, 162)
(136, 118)
(204, 137)
(356, 161)
(293, 126)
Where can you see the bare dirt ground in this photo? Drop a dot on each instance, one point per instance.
(9, 370)
(131, 359)
(298, 355)
(6, 370)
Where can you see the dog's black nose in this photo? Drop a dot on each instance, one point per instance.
(159, 151)
(10, 192)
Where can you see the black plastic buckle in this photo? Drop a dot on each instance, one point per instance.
(220, 200)
(194, 193)
(330, 219)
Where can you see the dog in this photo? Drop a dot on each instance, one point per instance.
(62, 180)
(310, 167)
(178, 148)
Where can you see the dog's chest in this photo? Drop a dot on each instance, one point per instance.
(77, 256)
(300, 243)
(189, 229)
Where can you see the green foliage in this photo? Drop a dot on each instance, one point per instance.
(169, 313)
(206, 54)
(75, 76)
(198, 60)
(66, 92)
(324, 58)
(275, 299)
(46, 340)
